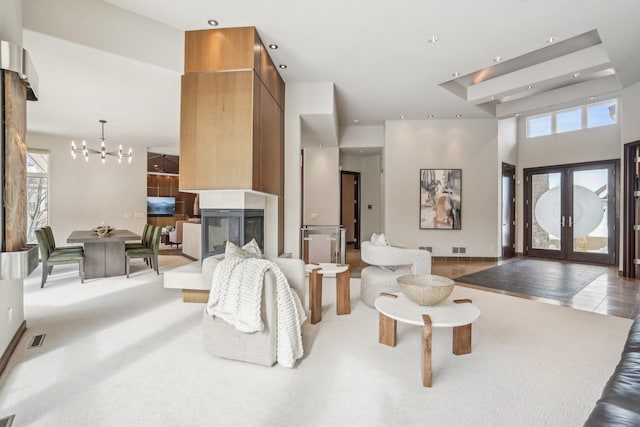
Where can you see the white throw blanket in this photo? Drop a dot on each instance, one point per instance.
(236, 297)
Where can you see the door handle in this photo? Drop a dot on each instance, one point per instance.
(570, 221)
(562, 221)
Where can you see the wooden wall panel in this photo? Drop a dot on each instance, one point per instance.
(15, 163)
(268, 72)
(219, 49)
(216, 131)
(271, 146)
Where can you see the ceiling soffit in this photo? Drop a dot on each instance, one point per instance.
(578, 67)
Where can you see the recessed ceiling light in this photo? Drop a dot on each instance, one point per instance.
(529, 87)
(212, 22)
(282, 66)
(432, 39)
(319, 145)
(553, 107)
(498, 59)
(362, 151)
(456, 74)
(551, 39)
(403, 117)
(356, 121)
(458, 115)
(574, 75)
(518, 114)
(273, 46)
(430, 116)
(591, 98)
(493, 97)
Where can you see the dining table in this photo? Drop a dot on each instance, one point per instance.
(103, 255)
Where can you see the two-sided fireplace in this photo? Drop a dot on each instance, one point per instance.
(235, 225)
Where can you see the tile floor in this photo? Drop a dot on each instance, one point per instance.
(607, 294)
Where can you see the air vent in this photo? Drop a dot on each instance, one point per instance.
(36, 341)
(7, 422)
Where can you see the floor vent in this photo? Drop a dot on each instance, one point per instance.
(36, 341)
(7, 421)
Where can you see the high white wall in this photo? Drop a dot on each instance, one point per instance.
(300, 99)
(370, 194)
(470, 145)
(11, 291)
(321, 186)
(630, 111)
(83, 194)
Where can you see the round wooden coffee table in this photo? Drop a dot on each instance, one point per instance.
(457, 314)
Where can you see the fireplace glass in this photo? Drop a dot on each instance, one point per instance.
(235, 225)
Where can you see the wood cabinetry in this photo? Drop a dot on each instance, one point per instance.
(232, 114)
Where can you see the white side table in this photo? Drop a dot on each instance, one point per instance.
(458, 314)
(343, 293)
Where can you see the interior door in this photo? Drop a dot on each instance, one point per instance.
(508, 211)
(570, 212)
(349, 207)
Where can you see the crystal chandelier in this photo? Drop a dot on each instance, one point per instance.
(86, 151)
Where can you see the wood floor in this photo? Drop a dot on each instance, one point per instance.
(607, 294)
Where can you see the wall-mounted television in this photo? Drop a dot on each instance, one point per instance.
(161, 206)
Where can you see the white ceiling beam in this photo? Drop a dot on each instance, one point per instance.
(574, 94)
(589, 58)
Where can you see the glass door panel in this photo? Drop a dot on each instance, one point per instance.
(547, 211)
(589, 223)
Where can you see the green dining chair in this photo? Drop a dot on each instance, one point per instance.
(149, 253)
(51, 258)
(52, 242)
(143, 243)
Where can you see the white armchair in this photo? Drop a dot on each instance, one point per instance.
(387, 263)
(223, 340)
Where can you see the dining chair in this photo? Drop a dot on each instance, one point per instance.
(51, 257)
(149, 253)
(143, 243)
(52, 242)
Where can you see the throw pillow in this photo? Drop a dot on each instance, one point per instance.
(379, 239)
(250, 250)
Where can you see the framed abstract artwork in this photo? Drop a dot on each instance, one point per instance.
(440, 199)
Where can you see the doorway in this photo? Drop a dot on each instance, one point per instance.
(350, 206)
(570, 212)
(508, 211)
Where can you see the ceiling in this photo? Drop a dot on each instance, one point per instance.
(121, 60)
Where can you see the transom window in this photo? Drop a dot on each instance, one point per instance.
(584, 117)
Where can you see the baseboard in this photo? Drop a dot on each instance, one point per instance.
(189, 257)
(464, 259)
(13, 344)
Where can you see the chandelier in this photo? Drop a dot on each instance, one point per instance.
(86, 151)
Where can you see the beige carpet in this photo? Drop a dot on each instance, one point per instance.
(124, 352)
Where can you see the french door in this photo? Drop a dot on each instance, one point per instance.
(570, 212)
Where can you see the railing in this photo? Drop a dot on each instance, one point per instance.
(323, 243)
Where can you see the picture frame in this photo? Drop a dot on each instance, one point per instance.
(440, 199)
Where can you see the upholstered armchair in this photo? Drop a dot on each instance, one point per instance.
(175, 236)
(387, 263)
(223, 340)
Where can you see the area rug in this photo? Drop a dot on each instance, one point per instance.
(128, 352)
(554, 280)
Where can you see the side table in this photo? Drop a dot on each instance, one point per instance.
(343, 292)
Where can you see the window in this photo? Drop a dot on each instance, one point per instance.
(37, 192)
(569, 120)
(539, 126)
(602, 114)
(584, 117)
